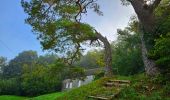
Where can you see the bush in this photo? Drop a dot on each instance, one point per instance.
(33, 83)
(9, 87)
(167, 89)
(99, 74)
(35, 80)
(129, 93)
(41, 80)
(161, 53)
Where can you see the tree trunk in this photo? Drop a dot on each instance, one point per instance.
(146, 18)
(107, 55)
(150, 66)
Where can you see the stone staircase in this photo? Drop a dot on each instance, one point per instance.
(118, 84)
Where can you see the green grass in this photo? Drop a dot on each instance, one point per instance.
(95, 88)
(9, 97)
(140, 89)
(51, 96)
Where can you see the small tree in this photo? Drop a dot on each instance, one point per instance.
(58, 26)
(3, 64)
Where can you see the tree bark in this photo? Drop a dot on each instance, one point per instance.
(145, 15)
(150, 66)
(107, 56)
(147, 20)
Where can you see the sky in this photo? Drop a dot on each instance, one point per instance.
(16, 36)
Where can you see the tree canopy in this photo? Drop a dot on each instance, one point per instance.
(55, 23)
(59, 27)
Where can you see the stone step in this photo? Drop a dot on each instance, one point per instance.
(120, 85)
(104, 98)
(109, 84)
(120, 81)
(98, 97)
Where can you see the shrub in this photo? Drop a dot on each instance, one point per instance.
(166, 89)
(99, 74)
(161, 53)
(41, 80)
(9, 87)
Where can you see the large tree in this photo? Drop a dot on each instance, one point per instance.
(147, 25)
(58, 26)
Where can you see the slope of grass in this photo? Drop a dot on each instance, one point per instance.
(51, 96)
(141, 88)
(95, 88)
(146, 88)
(9, 97)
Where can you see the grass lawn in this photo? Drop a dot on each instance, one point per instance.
(51, 96)
(9, 97)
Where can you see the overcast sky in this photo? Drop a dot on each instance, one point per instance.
(16, 36)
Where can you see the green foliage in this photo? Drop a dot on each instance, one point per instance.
(92, 59)
(35, 75)
(159, 79)
(9, 86)
(2, 61)
(99, 74)
(143, 88)
(76, 72)
(56, 27)
(127, 59)
(40, 79)
(3, 64)
(166, 89)
(14, 69)
(161, 53)
(34, 82)
(129, 93)
(47, 59)
(163, 17)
